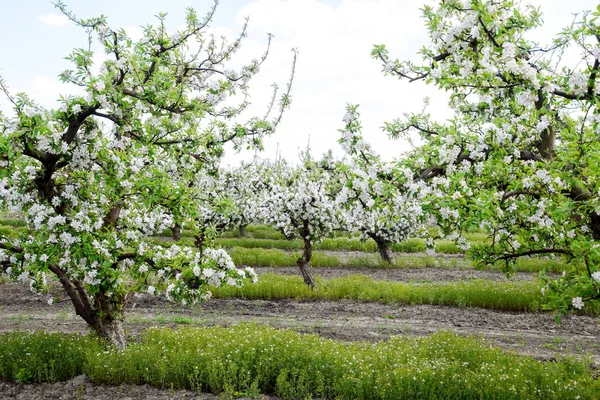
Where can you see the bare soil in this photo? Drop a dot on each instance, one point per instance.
(81, 388)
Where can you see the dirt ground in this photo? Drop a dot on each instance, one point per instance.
(80, 388)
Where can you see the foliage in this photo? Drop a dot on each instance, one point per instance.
(381, 204)
(91, 177)
(520, 157)
(44, 357)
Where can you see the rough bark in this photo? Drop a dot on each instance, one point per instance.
(112, 331)
(107, 322)
(200, 241)
(243, 232)
(102, 315)
(176, 232)
(111, 218)
(304, 261)
(384, 249)
(546, 146)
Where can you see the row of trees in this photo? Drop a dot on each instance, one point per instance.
(140, 152)
(309, 201)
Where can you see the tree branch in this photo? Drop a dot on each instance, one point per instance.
(534, 252)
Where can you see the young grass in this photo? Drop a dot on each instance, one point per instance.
(508, 296)
(9, 230)
(339, 244)
(43, 357)
(261, 257)
(254, 359)
(14, 222)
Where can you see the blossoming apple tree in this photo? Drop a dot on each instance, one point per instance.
(520, 157)
(301, 204)
(90, 177)
(381, 202)
(246, 185)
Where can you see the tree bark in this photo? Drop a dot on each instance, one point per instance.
(243, 232)
(176, 231)
(384, 249)
(107, 319)
(304, 261)
(103, 315)
(200, 241)
(112, 331)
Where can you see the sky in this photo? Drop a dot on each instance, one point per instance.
(334, 39)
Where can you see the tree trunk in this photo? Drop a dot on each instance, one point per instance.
(243, 232)
(106, 319)
(304, 261)
(176, 231)
(384, 249)
(200, 241)
(112, 331)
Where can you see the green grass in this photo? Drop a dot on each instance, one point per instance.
(43, 357)
(256, 231)
(339, 244)
(506, 296)
(279, 258)
(9, 230)
(254, 257)
(16, 222)
(249, 359)
(261, 257)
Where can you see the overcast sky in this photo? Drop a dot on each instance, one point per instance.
(334, 39)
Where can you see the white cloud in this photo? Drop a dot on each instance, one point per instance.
(53, 19)
(46, 91)
(335, 68)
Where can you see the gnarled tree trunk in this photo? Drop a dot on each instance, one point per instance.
(200, 241)
(103, 314)
(176, 232)
(304, 261)
(243, 232)
(384, 249)
(107, 319)
(112, 331)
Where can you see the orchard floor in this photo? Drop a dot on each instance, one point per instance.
(534, 334)
(80, 388)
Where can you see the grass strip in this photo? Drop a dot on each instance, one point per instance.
(261, 257)
(279, 258)
(505, 296)
(16, 222)
(414, 245)
(249, 359)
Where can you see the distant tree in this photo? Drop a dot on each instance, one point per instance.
(246, 185)
(380, 202)
(301, 204)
